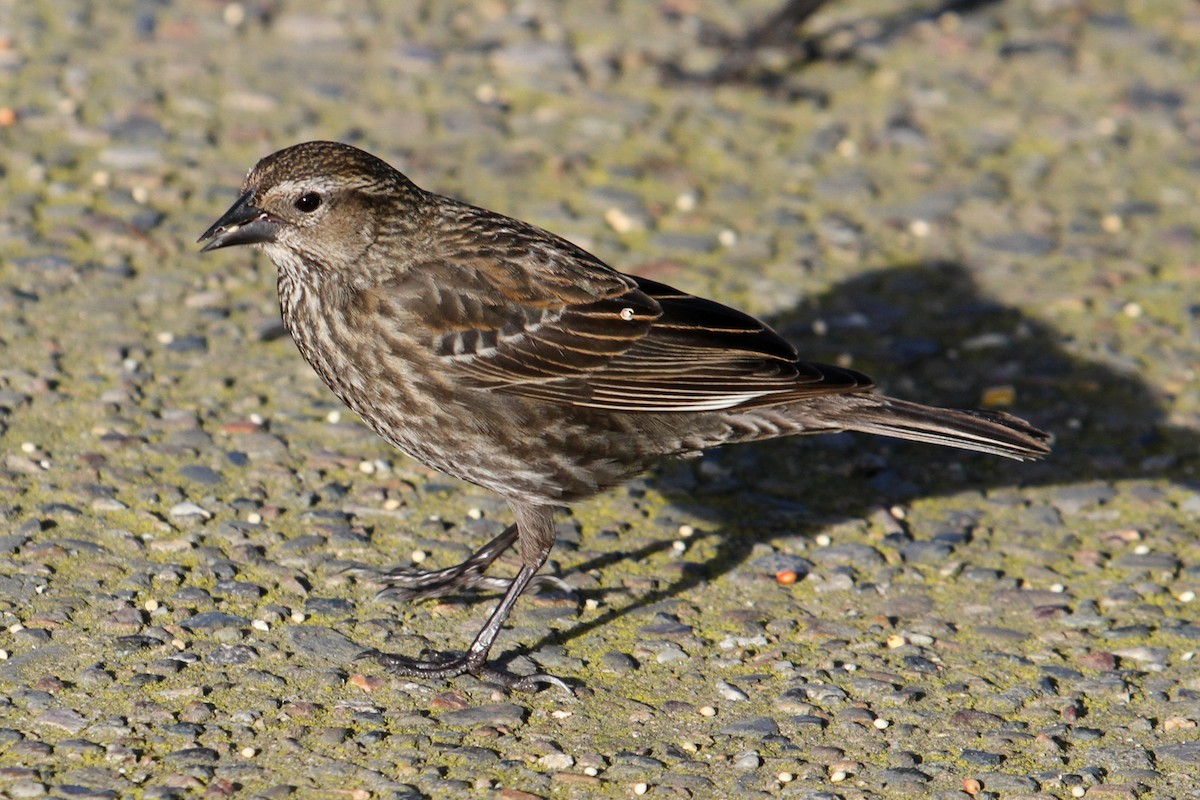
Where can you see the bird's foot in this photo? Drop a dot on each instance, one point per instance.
(405, 583)
(449, 665)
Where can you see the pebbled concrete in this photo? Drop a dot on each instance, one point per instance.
(993, 207)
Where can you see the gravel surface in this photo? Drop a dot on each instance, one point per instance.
(991, 207)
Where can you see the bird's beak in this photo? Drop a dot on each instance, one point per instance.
(243, 223)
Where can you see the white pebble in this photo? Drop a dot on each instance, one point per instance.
(189, 510)
(618, 220)
(234, 14)
(556, 761)
(731, 692)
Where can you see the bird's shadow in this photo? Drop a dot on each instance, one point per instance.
(784, 32)
(925, 332)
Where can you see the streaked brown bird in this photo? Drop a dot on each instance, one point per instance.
(502, 354)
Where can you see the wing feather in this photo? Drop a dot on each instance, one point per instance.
(535, 316)
(650, 349)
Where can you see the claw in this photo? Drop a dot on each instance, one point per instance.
(448, 665)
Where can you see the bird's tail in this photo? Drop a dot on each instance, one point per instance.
(986, 431)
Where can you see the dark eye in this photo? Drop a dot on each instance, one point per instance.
(308, 202)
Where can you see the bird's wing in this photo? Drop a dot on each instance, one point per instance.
(557, 324)
(700, 355)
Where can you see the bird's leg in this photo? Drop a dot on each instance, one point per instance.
(406, 583)
(535, 536)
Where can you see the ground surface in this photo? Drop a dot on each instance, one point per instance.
(995, 206)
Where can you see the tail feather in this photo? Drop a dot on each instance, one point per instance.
(986, 431)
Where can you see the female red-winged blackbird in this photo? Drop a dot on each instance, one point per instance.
(502, 354)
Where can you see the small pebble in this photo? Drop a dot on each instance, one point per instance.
(640, 789)
(620, 222)
(234, 15)
(729, 692)
(707, 711)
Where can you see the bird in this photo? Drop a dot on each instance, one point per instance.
(497, 352)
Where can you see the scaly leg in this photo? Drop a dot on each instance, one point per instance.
(534, 537)
(406, 583)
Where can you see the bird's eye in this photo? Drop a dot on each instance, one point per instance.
(308, 202)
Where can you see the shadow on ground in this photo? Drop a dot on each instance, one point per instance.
(925, 333)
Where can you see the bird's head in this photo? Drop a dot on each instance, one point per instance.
(315, 206)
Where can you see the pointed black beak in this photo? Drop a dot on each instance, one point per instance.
(242, 224)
